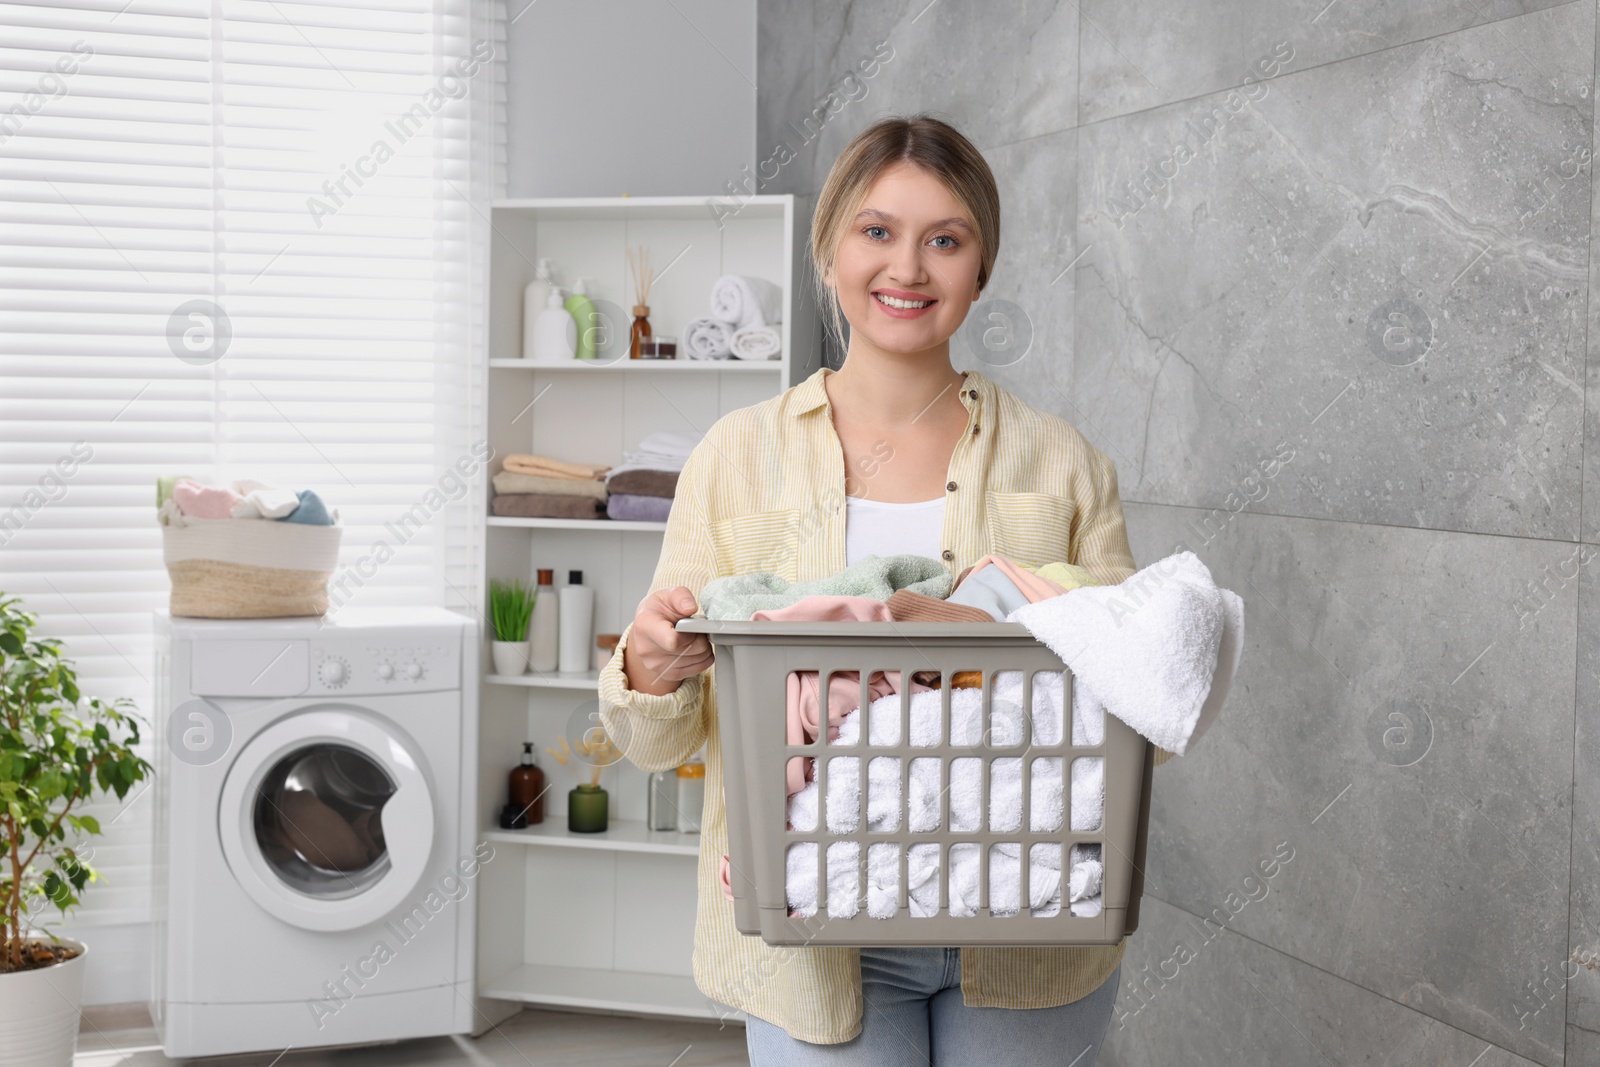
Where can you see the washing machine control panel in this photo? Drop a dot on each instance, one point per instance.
(359, 666)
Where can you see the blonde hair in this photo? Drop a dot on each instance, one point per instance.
(927, 142)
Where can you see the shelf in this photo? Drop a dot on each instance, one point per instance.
(549, 680)
(624, 835)
(623, 525)
(619, 366)
(589, 987)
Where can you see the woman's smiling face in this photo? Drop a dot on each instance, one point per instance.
(911, 240)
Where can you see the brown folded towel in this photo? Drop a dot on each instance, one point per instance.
(511, 482)
(907, 606)
(548, 506)
(644, 483)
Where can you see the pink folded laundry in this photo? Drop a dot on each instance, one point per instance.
(204, 501)
(803, 703)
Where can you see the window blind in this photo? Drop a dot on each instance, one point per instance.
(238, 239)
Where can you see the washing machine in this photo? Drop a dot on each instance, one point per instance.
(315, 855)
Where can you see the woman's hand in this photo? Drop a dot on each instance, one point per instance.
(657, 658)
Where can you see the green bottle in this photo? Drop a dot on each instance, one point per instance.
(581, 308)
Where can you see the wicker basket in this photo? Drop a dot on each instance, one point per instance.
(753, 661)
(249, 568)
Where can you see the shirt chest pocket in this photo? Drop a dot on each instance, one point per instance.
(758, 541)
(1031, 528)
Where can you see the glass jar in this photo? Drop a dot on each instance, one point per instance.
(691, 796)
(663, 801)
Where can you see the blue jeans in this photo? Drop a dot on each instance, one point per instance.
(913, 1017)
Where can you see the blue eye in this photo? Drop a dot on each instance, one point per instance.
(946, 237)
(869, 229)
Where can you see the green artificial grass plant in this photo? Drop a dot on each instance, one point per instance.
(511, 604)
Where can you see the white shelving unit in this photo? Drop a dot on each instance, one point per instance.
(606, 921)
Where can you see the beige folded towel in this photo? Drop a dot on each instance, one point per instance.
(522, 463)
(510, 482)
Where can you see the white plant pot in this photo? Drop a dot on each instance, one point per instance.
(39, 1011)
(510, 657)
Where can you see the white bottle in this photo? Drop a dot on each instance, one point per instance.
(535, 298)
(543, 628)
(554, 331)
(577, 625)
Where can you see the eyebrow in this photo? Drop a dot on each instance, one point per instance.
(874, 213)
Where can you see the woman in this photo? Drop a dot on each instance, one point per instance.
(924, 459)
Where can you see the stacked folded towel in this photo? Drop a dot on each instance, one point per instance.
(543, 487)
(641, 487)
(744, 313)
(185, 501)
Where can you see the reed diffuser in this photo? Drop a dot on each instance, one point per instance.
(588, 806)
(643, 275)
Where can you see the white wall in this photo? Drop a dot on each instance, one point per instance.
(643, 97)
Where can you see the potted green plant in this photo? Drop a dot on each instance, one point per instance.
(511, 606)
(55, 753)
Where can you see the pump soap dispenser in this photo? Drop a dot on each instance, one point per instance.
(553, 333)
(525, 792)
(590, 327)
(535, 298)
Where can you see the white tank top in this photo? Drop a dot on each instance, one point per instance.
(879, 528)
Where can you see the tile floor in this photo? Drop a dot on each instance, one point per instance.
(121, 1036)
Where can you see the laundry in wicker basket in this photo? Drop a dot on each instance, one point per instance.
(249, 568)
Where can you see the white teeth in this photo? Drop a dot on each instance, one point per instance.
(895, 302)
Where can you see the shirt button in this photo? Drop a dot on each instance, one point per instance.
(973, 393)
(949, 554)
(974, 431)
(950, 486)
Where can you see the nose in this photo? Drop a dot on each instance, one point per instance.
(906, 266)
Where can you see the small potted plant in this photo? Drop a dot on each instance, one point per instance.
(511, 605)
(55, 754)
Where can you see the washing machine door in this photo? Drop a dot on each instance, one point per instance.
(326, 819)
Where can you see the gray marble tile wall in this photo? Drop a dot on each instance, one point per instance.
(1316, 276)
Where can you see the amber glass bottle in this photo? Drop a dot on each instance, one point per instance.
(641, 328)
(527, 787)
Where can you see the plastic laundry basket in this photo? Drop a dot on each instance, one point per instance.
(753, 661)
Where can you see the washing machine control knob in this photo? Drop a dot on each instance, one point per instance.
(335, 672)
(413, 671)
(385, 671)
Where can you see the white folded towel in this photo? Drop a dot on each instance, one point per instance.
(262, 501)
(745, 300)
(1158, 650)
(707, 338)
(1007, 724)
(659, 450)
(1084, 883)
(756, 342)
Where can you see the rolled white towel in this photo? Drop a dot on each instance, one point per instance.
(756, 342)
(745, 300)
(707, 338)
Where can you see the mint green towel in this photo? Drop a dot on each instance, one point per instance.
(164, 486)
(739, 596)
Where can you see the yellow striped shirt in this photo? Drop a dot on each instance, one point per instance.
(764, 491)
